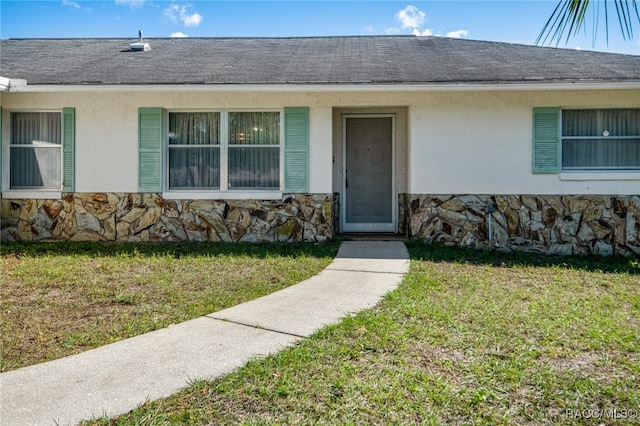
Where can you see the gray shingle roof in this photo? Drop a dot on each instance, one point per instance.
(309, 60)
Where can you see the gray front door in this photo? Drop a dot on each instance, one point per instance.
(368, 174)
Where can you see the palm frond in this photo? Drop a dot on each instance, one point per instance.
(568, 18)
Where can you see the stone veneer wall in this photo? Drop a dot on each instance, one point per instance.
(125, 217)
(551, 224)
(336, 211)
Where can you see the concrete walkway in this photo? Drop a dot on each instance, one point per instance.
(116, 378)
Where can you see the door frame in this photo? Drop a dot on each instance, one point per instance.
(391, 227)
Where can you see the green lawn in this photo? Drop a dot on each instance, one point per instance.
(58, 299)
(468, 338)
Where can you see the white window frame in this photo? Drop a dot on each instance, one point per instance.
(586, 173)
(35, 192)
(168, 146)
(224, 191)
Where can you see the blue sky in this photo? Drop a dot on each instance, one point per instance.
(514, 21)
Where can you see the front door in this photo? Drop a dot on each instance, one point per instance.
(368, 187)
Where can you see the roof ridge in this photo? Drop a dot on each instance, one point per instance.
(219, 37)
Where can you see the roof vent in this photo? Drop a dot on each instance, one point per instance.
(139, 46)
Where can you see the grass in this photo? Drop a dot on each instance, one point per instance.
(64, 298)
(468, 338)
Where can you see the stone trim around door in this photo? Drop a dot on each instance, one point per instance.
(133, 217)
(603, 225)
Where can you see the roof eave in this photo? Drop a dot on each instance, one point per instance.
(22, 87)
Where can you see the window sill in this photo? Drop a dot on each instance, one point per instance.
(15, 194)
(600, 175)
(222, 195)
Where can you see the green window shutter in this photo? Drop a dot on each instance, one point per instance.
(68, 149)
(150, 149)
(546, 140)
(296, 149)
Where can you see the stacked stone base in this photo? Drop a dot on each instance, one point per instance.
(550, 224)
(126, 217)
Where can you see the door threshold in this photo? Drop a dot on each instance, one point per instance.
(370, 236)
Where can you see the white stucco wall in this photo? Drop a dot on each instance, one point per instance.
(458, 142)
(482, 143)
(106, 136)
(320, 149)
(107, 129)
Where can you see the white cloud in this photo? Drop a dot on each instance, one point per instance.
(419, 32)
(179, 34)
(171, 12)
(458, 34)
(192, 20)
(130, 3)
(183, 13)
(411, 17)
(71, 4)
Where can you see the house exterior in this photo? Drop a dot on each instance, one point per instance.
(463, 142)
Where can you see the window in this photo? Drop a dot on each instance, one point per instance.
(586, 140)
(202, 156)
(194, 150)
(601, 139)
(254, 150)
(35, 150)
(218, 150)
